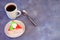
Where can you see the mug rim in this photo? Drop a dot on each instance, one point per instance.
(10, 4)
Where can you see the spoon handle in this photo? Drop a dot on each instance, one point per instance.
(31, 20)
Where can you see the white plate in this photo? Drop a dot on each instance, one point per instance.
(14, 33)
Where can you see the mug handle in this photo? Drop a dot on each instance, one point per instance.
(19, 13)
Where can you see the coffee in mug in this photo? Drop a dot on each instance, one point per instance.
(11, 8)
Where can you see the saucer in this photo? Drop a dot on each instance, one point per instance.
(15, 32)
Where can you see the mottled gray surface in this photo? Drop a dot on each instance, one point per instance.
(45, 12)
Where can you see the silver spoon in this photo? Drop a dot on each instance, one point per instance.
(31, 20)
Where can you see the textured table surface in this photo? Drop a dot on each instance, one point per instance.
(45, 12)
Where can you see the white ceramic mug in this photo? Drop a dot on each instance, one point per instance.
(11, 10)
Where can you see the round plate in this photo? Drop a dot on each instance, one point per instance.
(14, 33)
